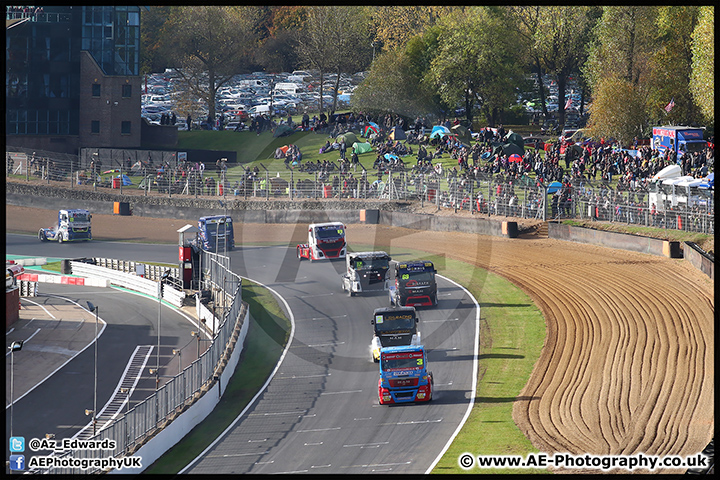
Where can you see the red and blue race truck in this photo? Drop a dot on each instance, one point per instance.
(404, 375)
(393, 327)
(73, 225)
(413, 283)
(325, 241)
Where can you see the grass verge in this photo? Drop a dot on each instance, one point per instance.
(267, 336)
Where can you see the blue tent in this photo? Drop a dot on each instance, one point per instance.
(439, 131)
(125, 179)
(554, 187)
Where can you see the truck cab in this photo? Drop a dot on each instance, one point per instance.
(413, 283)
(216, 233)
(365, 272)
(404, 375)
(393, 327)
(73, 225)
(325, 241)
(678, 139)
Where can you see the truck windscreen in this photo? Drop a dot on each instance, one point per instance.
(328, 232)
(79, 217)
(408, 278)
(371, 263)
(395, 322)
(402, 361)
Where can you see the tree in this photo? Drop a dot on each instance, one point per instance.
(477, 62)
(395, 25)
(671, 64)
(559, 41)
(334, 39)
(619, 58)
(210, 44)
(702, 78)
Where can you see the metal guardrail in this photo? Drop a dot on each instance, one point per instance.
(128, 280)
(140, 423)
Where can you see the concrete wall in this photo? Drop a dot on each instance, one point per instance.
(620, 241)
(699, 259)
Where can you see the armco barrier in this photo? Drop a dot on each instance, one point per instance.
(621, 241)
(130, 281)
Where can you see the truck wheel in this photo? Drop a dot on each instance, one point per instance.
(299, 256)
(60, 237)
(41, 236)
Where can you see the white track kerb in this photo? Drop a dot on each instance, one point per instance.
(287, 347)
(272, 375)
(474, 375)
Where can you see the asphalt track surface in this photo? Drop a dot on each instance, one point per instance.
(319, 413)
(61, 333)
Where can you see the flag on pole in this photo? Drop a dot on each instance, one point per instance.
(670, 105)
(568, 104)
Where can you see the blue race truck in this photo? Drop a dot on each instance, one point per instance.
(679, 140)
(404, 377)
(73, 225)
(216, 233)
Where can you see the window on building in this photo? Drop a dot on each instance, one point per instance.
(125, 128)
(95, 126)
(96, 90)
(127, 91)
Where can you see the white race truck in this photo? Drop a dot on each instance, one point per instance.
(73, 225)
(325, 241)
(365, 272)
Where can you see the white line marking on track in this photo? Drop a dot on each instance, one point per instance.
(326, 344)
(27, 339)
(338, 393)
(321, 466)
(364, 445)
(313, 444)
(318, 430)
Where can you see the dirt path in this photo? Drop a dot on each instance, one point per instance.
(628, 362)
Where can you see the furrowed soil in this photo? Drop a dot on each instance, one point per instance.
(628, 361)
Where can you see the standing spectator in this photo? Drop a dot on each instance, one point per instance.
(189, 122)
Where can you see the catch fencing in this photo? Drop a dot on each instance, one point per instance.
(483, 193)
(134, 426)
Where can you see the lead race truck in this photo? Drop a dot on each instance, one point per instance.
(73, 225)
(325, 241)
(413, 283)
(365, 272)
(393, 327)
(404, 375)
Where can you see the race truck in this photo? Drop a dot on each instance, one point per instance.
(216, 233)
(393, 327)
(325, 240)
(404, 375)
(73, 225)
(412, 283)
(365, 272)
